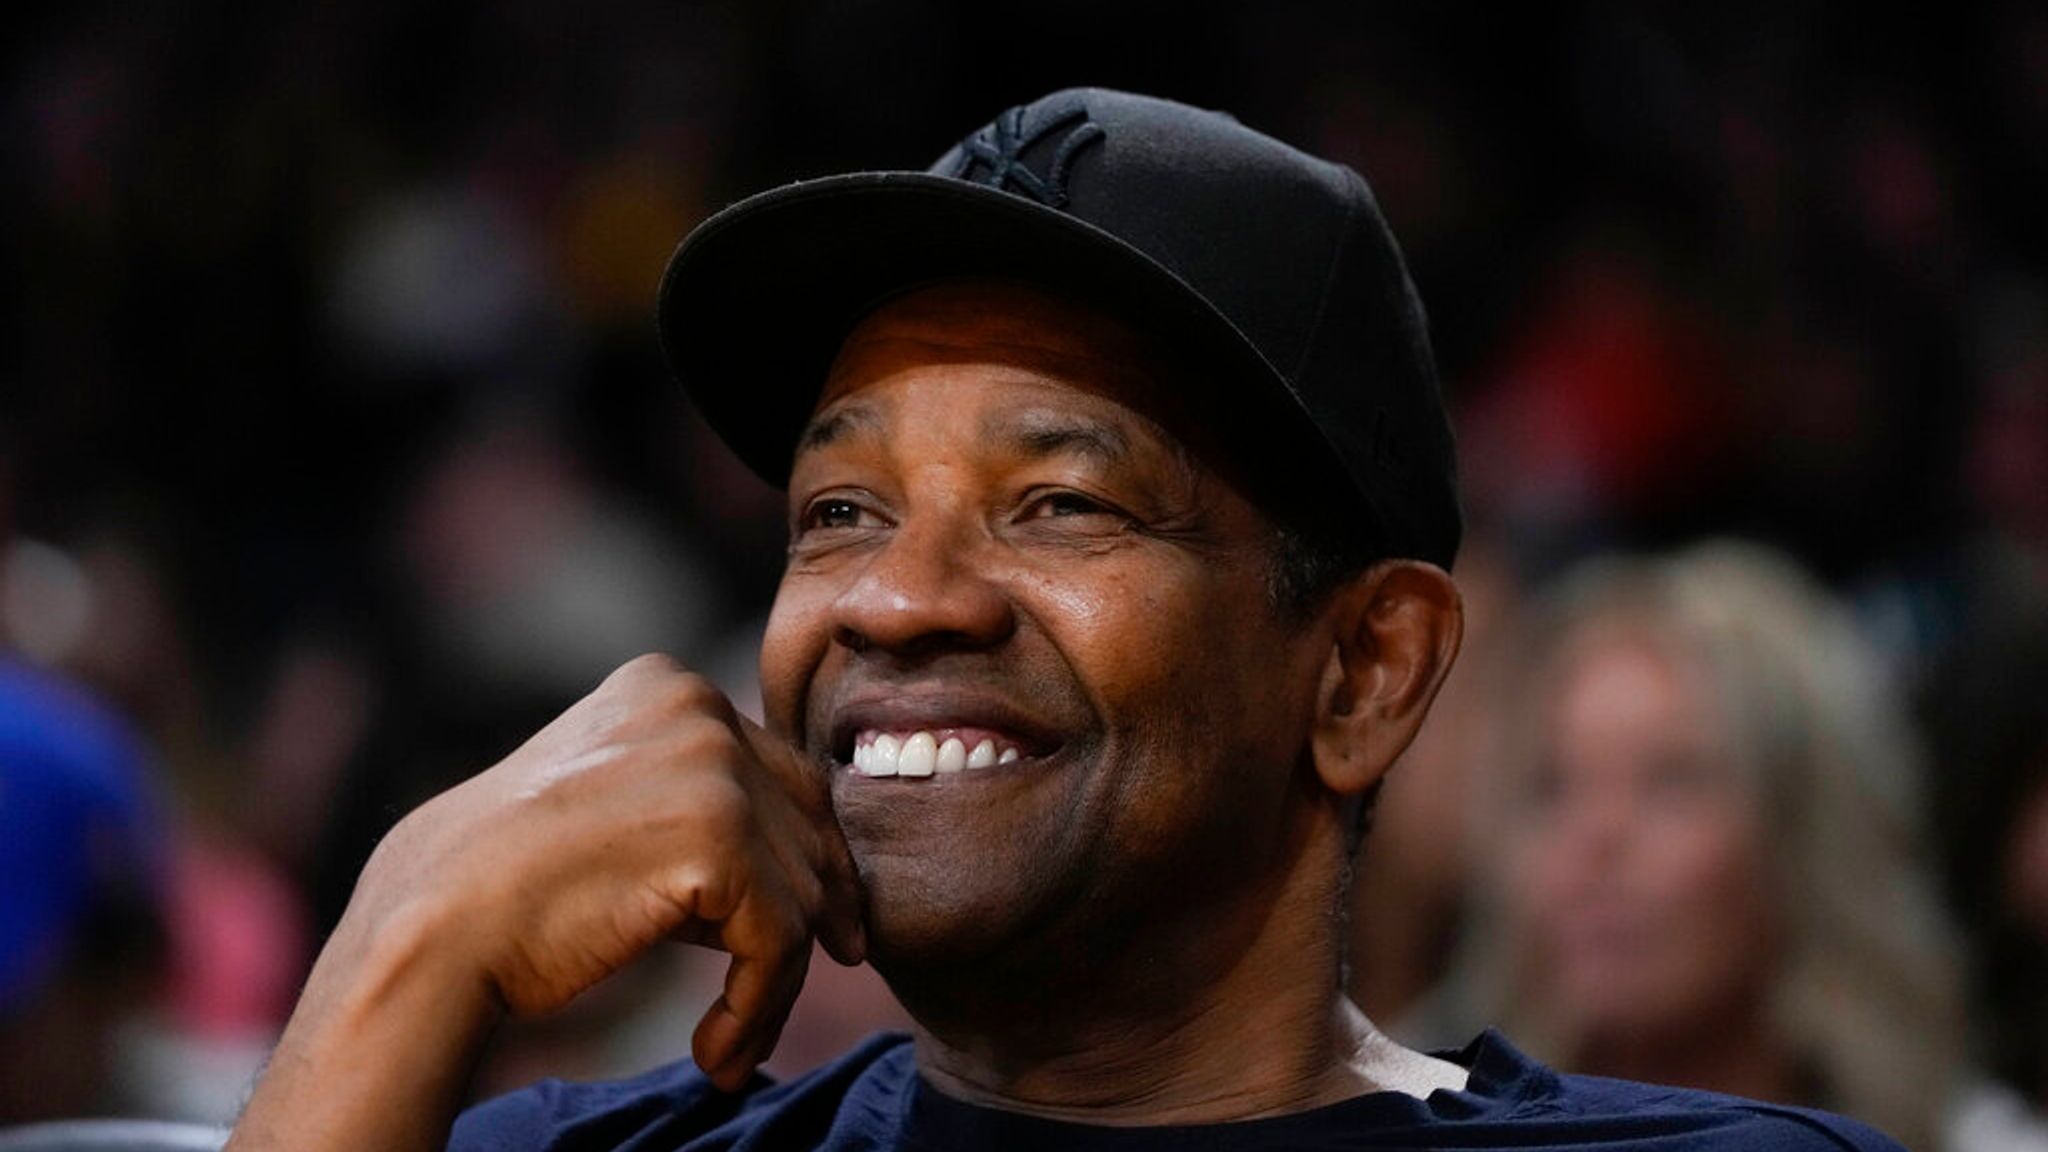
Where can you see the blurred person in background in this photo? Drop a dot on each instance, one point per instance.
(100, 606)
(1989, 739)
(81, 910)
(1699, 864)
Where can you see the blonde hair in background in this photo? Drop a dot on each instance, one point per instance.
(1866, 993)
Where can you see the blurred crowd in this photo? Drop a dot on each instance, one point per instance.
(337, 455)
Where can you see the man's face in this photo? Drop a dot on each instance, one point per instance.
(992, 542)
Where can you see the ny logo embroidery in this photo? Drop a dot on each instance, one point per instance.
(998, 150)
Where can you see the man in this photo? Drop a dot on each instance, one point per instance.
(1121, 502)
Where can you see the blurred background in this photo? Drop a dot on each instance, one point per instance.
(337, 454)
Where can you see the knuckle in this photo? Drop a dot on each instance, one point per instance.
(785, 930)
(701, 889)
(672, 690)
(810, 896)
(648, 665)
(797, 933)
(654, 694)
(694, 693)
(708, 742)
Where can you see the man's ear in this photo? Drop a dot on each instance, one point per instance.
(1397, 629)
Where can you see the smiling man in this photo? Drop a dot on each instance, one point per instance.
(1121, 504)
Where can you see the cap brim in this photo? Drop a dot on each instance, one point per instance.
(757, 300)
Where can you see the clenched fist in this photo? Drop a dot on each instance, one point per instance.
(648, 811)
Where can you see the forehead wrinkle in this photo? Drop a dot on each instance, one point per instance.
(1040, 433)
(1024, 337)
(853, 417)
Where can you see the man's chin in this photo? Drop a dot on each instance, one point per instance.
(940, 921)
(922, 912)
(981, 962)
(959, 871)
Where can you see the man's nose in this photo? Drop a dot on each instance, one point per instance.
(925, 590)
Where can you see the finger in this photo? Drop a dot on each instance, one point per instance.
(757, 987)
(808, 839)
(823, 878)
(802, 779)
(816, 871)
(775, 997)
(789, 836)
(714, 1044)
(702, 933)
(647, 666)
(741, 1028)
(842, 923)
(768, 935)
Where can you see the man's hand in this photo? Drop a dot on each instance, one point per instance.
(648, 811)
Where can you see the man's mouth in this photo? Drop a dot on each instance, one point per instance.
(926, 752)
(928, 732)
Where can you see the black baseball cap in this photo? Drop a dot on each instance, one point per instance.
(1273, 269)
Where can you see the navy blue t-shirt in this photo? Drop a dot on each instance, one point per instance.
(872, 1098)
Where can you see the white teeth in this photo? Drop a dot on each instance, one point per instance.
(922, 754)
(919, 754)
(882, 755)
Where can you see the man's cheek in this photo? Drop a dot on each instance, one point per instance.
(791, 649)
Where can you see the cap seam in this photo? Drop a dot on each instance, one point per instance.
(1315, 329)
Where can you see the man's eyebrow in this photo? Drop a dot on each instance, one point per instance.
(841, 422)
(1041, 434)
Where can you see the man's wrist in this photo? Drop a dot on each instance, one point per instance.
(408, 957)
(382, 1044)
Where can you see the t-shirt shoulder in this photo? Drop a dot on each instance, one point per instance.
(676, 1107)
(872, 1098)
(1618, 1113)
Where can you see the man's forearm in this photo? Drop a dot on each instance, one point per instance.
(649, 811)
(379, 1051)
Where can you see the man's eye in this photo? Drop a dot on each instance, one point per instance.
(832, 514)
(1066, 504)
